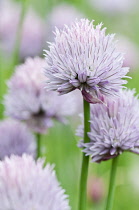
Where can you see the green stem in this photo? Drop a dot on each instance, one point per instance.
(85, 159)
(15, 58)
(38, 145)
(112, 184)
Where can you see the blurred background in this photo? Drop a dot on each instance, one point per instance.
(25, 28)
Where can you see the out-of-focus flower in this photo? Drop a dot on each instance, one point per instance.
(95, 189)
(61, 15)
(114, 127)
(15, 138)
(32, 36)
(26, 185)
(27, 99)
(83, 57)
(10, 12)
(131, 53)
(114, 6)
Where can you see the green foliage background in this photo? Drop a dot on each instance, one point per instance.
(61, 142)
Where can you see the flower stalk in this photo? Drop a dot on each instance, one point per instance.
(85, 159)
(16, 52)
(38, 145)
(112, 184)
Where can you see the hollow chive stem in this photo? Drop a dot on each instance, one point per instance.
(110, 197)
(85, 159)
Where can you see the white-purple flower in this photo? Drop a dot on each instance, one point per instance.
(27, 185)
(28, 100)
(15, 138)
(114, 127)
(83, 57)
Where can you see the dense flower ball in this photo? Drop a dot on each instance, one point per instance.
(15, 138)
(83, 57)
(114, 127)
(26, 185)
(32, 36)
(28, 100)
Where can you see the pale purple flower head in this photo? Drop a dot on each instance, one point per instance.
(114, 127)
(32, 36)
(15, 138)
(26, 185)
(28, 100)
(113, 7)
(83, 57)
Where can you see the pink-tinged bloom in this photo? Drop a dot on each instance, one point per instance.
(28, 100)
(95, 189)
(27, 185)
(113, 7)
(83, 57)
(32, 36)
(114, 127)
(15, 138)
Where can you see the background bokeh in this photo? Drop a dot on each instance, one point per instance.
(60, 143)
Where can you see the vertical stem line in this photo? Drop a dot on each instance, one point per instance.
(38, 145)
(112, 184)
(85, 159)
(15, 58)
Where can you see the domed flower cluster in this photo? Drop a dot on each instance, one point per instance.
(114, 127)
(28, 100)
(83, 57)
(26, 185)
(15, 138)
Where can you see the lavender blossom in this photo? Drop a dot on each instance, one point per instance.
(27, 99)
(15, 138)
(114, 127)
(83, 57)
(26, 185)
(32, 36)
